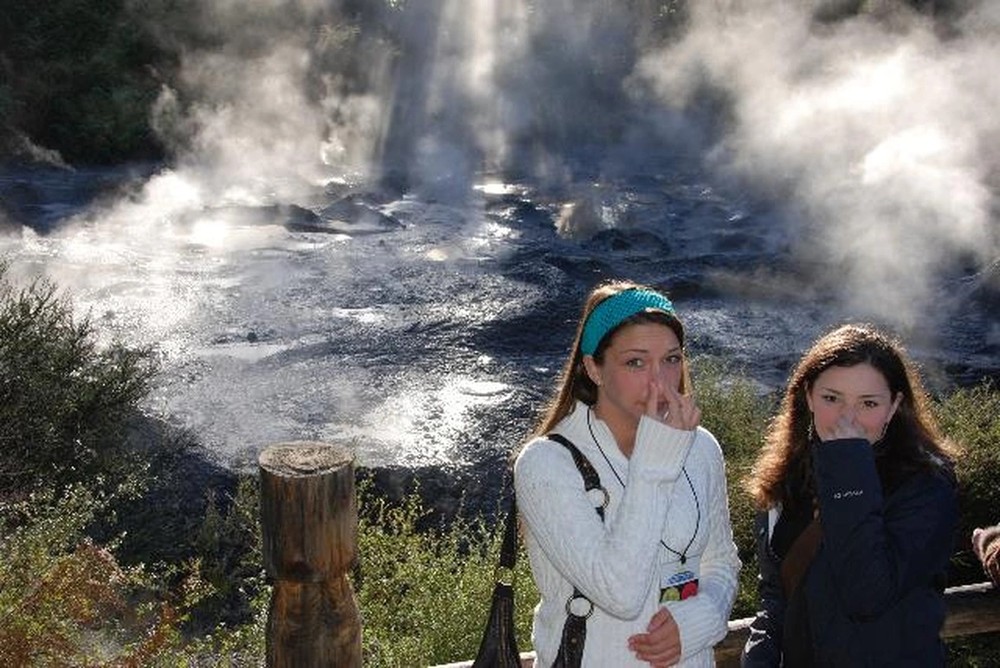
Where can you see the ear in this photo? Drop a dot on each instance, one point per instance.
(593, 370)
(809, 399)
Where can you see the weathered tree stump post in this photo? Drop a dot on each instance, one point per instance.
(309, 526)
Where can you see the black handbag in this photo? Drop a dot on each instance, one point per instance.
(498, 648)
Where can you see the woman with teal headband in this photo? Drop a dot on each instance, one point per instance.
(656, 569)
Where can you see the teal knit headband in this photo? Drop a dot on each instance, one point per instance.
(616, 309)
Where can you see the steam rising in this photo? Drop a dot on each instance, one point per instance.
(879, 131)
(876, 133)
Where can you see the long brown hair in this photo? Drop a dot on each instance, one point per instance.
(912, 441)
(574, 383)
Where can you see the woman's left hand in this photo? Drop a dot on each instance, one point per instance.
(845, 427)
(660, 646)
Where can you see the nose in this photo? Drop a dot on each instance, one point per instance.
(667, 375)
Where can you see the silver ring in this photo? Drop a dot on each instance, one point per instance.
(579, 597)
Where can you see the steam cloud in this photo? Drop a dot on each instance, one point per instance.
(879, 130)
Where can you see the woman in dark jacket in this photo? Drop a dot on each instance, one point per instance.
(857, 513)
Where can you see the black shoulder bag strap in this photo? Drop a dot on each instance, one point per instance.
(498, 647)
(575, 629)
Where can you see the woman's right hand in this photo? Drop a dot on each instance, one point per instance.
(665, 404)
(660, 645)
(986, 546)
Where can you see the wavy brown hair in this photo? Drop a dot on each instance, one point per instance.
(574, 383)
(912, 441)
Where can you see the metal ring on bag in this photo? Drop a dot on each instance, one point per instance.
(569, 602)
(605, 497)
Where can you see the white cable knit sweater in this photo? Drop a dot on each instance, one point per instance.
(618, 563)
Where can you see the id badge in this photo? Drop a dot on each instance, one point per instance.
(678, 582)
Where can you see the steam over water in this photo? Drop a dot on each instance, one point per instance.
(384, 235)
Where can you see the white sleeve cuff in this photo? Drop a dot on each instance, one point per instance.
(660, 450)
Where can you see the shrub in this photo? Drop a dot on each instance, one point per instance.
(64, 401)
(82, 77)
(65, 600)
(51, 583)
(424, 595)
(219, 599)
(64, 467)
(971, 417)
(228, 545)
(737, 412)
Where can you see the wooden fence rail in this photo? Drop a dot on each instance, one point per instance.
(309, 523)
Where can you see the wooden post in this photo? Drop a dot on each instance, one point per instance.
(309, 527)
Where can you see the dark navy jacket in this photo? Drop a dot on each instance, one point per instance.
(874, 590)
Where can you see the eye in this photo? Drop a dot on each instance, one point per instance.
(828, 398)
(634, 363)
(674, 359)
(870, 403)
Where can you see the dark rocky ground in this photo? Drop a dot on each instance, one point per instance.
(163, 525)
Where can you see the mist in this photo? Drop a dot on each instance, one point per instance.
(872, 135)
(877, 133)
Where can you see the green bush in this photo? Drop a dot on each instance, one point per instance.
(64, 401)
(56, 619)
(66, 601)
(227, 625)
(52, 583)
(971, 417)
(64, 468)
(737, 412)
(424, 595)
(81, 77)
(228, 545)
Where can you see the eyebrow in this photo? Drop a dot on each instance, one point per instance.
(862, 396)
(646, 350)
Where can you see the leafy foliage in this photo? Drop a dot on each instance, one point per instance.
(971, 418)
(424, 595)
(65, 601)
(737, 413)
(51, 582)
(81, 78)
(64, 401)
